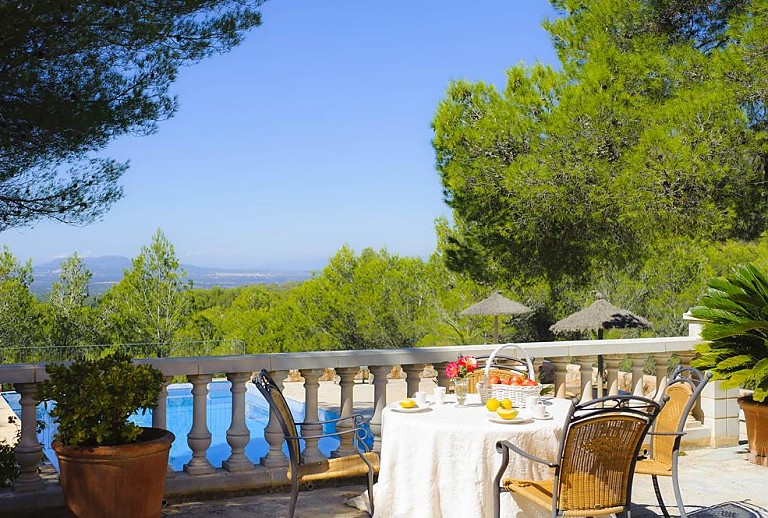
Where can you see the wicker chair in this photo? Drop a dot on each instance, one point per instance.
(504, 367)
(364, 463)
(595, 461)
(683, 389)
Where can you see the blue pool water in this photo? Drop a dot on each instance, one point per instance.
(179, 421)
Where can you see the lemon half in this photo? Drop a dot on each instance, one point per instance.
(407, 403)
(506, 413)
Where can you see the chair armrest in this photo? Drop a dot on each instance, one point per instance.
(678, 434)
(508, 445)
(358, 418)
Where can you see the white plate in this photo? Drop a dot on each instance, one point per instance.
(397, 408)
(516, 420)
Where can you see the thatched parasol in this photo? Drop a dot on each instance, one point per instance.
(496, 305)
(598, 316)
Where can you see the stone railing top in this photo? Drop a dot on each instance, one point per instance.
(30, 373)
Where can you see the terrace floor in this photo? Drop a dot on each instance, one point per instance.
(715, 483)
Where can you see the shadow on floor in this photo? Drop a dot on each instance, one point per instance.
(731, 510)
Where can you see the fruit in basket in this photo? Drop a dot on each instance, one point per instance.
(492, 404)
(506, 404)
(407, 403)
(494, 380)
(507, 413)
(529, 382)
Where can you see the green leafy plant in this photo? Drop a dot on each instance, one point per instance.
(94, 399)
(735, 315)
(9, 468)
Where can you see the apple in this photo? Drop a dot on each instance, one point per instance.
(494, 380)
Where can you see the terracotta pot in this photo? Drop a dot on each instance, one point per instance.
(756, 417)
(116, 481)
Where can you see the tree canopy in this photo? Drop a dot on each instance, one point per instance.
(653, 131)
(75, 75)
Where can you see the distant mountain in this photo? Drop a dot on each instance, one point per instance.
(108, 270)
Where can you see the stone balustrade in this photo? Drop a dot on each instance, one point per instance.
(238, 473)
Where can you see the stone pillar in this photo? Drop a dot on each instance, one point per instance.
(311, 385)
(721, 414)
(347, 384)
(238, 434)
(685, 357)
(28, 451)
(273, 433)
(379, 402)
(199, 437)
(413, 377)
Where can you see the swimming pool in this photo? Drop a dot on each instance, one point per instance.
(179, 421)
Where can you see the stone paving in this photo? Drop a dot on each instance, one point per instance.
(714, 483)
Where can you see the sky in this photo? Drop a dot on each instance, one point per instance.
(311, 135)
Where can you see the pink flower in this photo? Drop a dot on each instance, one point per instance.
(468, 362)
(452, 370)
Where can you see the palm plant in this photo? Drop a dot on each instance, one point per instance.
(735, 315)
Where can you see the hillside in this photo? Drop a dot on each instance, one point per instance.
(108, 270)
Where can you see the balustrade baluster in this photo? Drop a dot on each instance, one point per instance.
(413, 377)
(638, 368)
(199, 437)
(612, 369)
(311, 451)
(28, 451)
(238, 434)
(442, 379)
(160, 415)
(347, 403)
(379, 402)
(561, 372)
(662, 365)
(586, 372)
(273, 433)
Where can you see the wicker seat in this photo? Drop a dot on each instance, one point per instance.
(595, 462)
(683, 389)
(364, 463)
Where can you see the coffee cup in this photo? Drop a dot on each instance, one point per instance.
(532, 401)
(439, 394)
(539, 411)
(421, 398)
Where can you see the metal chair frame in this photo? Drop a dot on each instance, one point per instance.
(633, 407)
(275, 399)
(696, 380)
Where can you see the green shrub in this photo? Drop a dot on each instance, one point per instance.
(95, 398)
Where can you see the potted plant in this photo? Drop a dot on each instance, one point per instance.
(735, 315)
(108, 465)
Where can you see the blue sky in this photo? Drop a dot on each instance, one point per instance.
(314, 133)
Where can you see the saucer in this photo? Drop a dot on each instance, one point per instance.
(412, 410)
(516, 420)
(546, 417)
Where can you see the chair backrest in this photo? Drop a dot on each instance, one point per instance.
(599, 450)
(282, 412)
(683, 389)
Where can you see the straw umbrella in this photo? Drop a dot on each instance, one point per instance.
(495, 305)
(598, 316)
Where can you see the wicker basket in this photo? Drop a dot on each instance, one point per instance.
(515, 393)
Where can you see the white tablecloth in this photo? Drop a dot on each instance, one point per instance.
(441, 463)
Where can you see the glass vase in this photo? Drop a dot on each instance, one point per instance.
(460, 386)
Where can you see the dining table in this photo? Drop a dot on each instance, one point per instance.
(440, 460)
